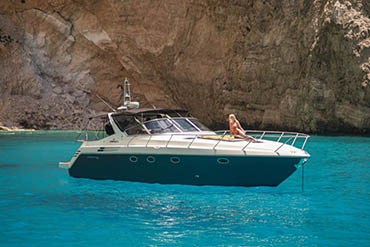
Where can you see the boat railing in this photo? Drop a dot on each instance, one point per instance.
(295, 139)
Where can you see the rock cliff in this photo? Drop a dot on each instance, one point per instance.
(290, 65)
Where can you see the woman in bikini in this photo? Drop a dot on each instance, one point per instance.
(236, 129)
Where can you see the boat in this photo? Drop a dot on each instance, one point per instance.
(169, 146)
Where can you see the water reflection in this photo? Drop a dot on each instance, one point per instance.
(172, 214)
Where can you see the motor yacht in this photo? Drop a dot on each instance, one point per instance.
(169, 146)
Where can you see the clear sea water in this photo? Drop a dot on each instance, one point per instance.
(40, 205)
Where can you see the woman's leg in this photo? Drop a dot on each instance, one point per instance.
(242, 133)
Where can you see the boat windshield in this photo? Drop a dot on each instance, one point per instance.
(167, 125)
(160, 126)
(197, 123)
(184, 125)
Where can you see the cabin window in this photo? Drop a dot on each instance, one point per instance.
(123, 122)
(223, 161)
(136, 130)
(133, 159)
(150, 159)
(175, 160)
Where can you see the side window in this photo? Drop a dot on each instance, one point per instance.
(137, 130)
(123, 122)
(154, 127)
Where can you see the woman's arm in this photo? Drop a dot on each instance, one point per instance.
(239, 126)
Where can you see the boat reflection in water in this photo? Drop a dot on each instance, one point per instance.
(170, 147)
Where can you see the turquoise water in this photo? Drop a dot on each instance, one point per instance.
(40, 205)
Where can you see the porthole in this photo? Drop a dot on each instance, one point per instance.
(133, 159)
(150, 159)
(175, 160)
(223, 161)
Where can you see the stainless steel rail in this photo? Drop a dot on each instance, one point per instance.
(285, 138)
(279, 136)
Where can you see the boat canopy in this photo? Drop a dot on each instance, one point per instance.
(145, 112)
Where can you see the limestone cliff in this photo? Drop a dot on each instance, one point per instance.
(293, 65)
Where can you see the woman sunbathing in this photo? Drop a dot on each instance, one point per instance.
(237, 130)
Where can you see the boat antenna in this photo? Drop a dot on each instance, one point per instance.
(106, 103)
(127, 92)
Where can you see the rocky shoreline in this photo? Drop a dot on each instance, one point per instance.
(13, 128)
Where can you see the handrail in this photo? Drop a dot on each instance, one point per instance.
(295, 138)
(262, 135)
(279, 135)
(283, 144)
(282, 134)
(223, 135)
(304, 143)
(168, 141)
(246, 145)
(195, 137)
(150, 137)
(127, 145)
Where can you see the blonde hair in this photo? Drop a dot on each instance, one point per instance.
(232, 116)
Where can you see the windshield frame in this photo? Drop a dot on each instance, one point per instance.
(182, 128)
(205, 128)
(172, 126)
